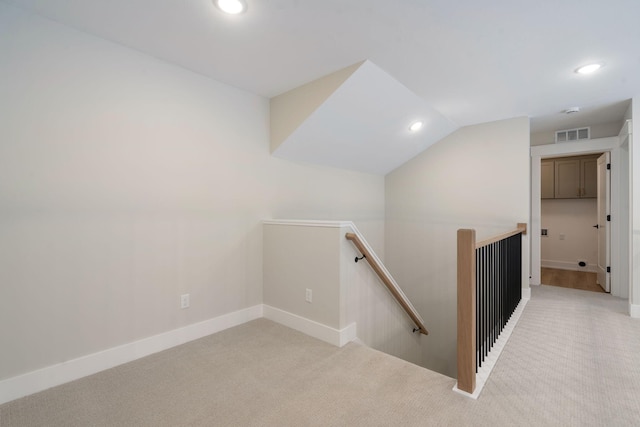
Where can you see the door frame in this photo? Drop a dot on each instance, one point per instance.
(620, 283)
(603, 208)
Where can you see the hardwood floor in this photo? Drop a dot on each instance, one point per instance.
(571, 279)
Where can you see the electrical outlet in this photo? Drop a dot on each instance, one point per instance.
(562, 236)
(309, 295)
(184, 301)
(545, 232)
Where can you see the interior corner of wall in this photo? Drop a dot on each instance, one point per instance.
(289, 110)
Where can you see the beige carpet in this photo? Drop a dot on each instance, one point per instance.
(574, 359)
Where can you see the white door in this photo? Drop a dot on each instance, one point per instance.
(604, 230)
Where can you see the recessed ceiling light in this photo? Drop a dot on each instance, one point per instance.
(416, 126)
(232, 7)
(589, 68)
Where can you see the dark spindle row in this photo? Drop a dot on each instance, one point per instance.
(498, 290)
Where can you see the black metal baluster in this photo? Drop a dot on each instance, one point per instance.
(492, 300)
(483, 304)
(498, 291)
(492, 297)
(478, 270)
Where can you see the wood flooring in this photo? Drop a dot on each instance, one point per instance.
(571, 279)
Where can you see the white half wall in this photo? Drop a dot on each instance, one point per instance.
(478, 177)
(302, 263)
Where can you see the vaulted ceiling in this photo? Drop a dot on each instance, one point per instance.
(469, 61)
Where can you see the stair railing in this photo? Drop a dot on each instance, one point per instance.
(388, 281)
(489, 290)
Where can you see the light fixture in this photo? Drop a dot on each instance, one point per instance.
(232, 7)
(589, 68)
(416, 126)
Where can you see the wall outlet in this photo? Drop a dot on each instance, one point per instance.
(309, 295)
(545, 232)
(184, 301)
(562, 236)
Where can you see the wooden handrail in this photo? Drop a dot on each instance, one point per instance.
(522, 228)
(388, 281)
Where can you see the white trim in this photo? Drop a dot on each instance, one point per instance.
(634, 310)
(337, 337)
(309, 223)
(485, 371)
(566, 265)
(526, 293)
(51, 376)
(575, 148)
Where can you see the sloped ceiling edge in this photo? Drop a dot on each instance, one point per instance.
(364, 125)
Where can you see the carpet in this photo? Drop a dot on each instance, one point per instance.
(572, 360)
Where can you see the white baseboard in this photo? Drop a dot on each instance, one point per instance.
(337, 337)
(566, 265)
(42, 379)
(526, 293)
(634, 311)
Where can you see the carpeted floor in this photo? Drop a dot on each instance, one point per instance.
(573, 360)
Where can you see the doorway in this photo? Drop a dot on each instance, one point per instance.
(620, 197)
(574, 235)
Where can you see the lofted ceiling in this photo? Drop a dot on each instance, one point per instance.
(363, 125)
(468, 60)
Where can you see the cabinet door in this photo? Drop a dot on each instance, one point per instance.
(567, 174)
(546, 186)
(589, 177)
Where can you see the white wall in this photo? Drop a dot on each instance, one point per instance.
(125, 182)
(573, 218)
(478, 177)
(634, 153)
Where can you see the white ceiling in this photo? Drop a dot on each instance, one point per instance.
(473, 61)
(364, 125)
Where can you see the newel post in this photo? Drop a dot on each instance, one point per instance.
(467, 310)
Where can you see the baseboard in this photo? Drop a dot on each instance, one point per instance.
(51, 376)
(337, 337)
(634, 310)
(526, 293)
(566, 265)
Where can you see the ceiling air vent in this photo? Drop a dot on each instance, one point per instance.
(569, 135)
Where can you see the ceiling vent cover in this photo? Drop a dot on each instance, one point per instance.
(569, 135)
